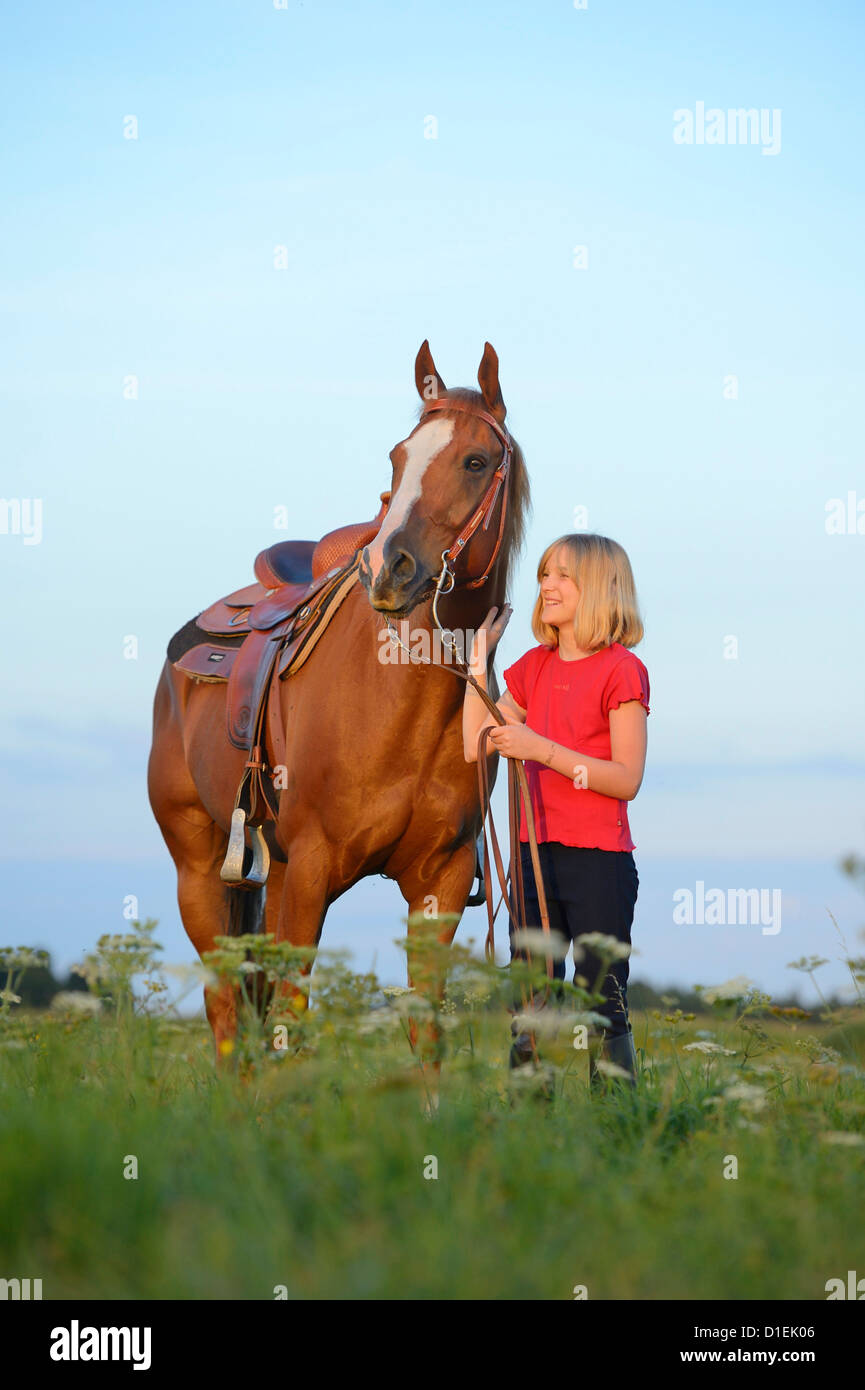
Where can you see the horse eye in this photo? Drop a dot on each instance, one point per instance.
(474, 465)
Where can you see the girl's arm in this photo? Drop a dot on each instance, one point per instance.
(621, 776)
(476, 716)
(475, 713)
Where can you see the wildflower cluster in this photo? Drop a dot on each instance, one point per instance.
(14, 961)
(118, 962)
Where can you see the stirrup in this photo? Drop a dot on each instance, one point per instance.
(479, 896)
(232, 870)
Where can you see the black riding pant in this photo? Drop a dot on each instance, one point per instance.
(587, 890)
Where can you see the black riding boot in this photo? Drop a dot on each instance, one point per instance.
(522, 1052)
(618, 1049)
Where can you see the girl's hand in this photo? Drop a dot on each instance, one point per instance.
(515, 740)
(488, 636)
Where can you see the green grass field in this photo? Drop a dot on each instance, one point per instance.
(309, 1168)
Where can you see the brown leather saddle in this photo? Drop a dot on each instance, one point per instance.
(254, 638)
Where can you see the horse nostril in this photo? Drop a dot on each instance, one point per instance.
(402, 566)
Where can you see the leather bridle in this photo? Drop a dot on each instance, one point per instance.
(517, 782)
(484, 512)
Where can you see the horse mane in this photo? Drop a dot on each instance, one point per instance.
(519, 492)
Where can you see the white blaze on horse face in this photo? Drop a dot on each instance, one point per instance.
(421, 449)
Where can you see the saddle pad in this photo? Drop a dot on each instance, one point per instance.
(203, 660)
(208, 662)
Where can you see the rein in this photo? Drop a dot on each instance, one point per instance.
(517, 782)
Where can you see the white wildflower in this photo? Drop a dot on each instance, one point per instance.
(533, 1075)
(75, 1001)
(604, 945)
(729, 991)
(551, 1022)
(612, 1069)
(449, 1021)
(377, 1021)
(752, 1097)
(409, 1004)
(540, 943)
(477, 989)
(191, 974)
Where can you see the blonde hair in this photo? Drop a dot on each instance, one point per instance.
(607, 609)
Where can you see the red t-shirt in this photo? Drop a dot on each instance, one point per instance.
(569, 702)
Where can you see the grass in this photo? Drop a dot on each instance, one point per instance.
(302, 1170)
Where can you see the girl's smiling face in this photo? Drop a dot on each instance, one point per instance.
(559, 592)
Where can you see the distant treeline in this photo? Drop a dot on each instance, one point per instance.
(38, 985)
(643, 996)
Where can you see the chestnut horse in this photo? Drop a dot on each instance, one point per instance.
(377, 781)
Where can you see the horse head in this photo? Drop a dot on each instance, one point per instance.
(453, 476)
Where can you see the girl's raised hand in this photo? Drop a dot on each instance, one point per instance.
(488, 636)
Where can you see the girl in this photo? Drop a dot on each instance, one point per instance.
(576, 709)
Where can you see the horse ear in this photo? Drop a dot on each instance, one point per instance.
(429, 384)
(488, 380)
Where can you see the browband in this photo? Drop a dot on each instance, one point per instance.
(442, 403)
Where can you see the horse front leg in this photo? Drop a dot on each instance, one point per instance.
(432, 894)
(297, 909)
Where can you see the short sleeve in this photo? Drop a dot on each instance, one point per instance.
(515, 680)
(629, 680)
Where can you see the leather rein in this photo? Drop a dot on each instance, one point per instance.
(517, 782)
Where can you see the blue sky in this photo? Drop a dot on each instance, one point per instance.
(303, 128)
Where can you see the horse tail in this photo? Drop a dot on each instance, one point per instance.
(245, 911)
